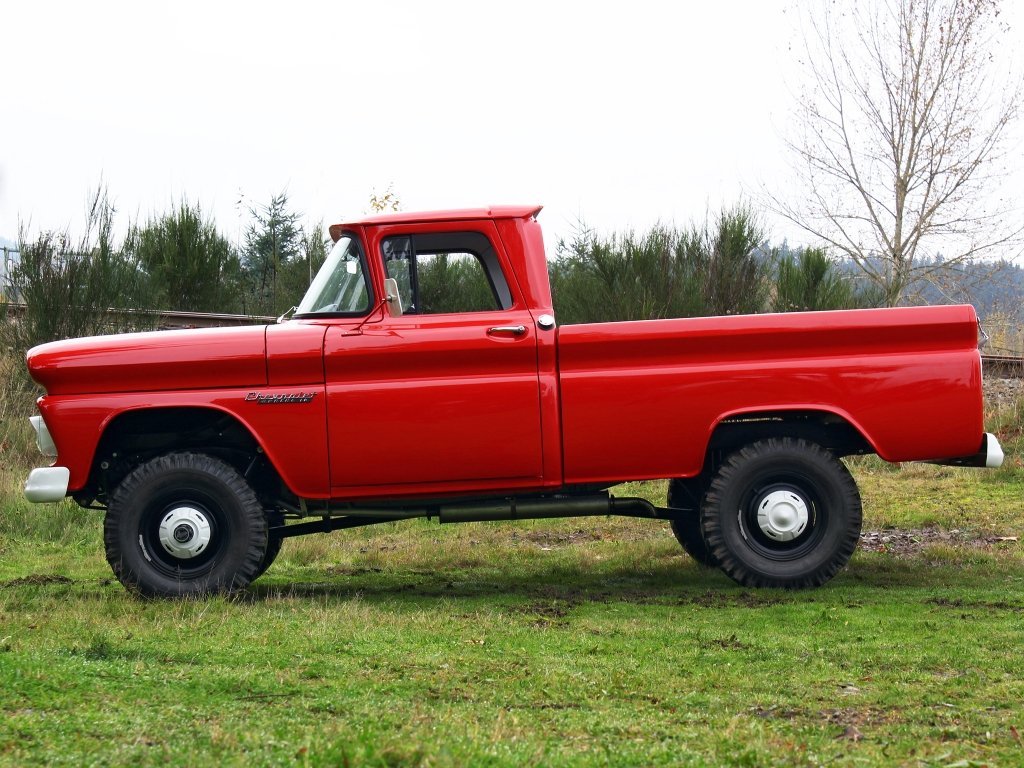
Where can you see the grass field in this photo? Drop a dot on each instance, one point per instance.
(575, 642)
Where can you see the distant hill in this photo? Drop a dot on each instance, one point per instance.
(992, 287)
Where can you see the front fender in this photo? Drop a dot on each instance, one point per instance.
(287, 423)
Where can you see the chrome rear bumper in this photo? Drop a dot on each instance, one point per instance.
(990, 454)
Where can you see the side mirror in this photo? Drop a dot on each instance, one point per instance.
(393, 297)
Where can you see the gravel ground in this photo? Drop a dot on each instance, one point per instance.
(1002, 392)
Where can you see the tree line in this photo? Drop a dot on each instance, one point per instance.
(722, 265)
(180, 261)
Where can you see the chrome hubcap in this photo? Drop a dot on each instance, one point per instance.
(184, 532)
(782, 515)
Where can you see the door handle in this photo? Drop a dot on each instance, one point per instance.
(515, 330)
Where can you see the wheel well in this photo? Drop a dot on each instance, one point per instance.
(139, 435)
(829, 430)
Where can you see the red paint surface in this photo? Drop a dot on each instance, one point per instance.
(436, 405)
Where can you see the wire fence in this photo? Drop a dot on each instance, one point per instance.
(164, 319)
(6, 264)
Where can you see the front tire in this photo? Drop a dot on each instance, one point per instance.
(781, 513)
(184, 524)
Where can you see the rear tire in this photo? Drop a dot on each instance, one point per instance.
(184, 524)
(686, 527)
(781, 513)
(273, 544)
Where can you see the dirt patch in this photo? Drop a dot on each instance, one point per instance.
(547, 614)
(712, 599)
(908, 543)
(346, 570)
(997, 605)
(563, 538)
(36, 580)
(845, 717)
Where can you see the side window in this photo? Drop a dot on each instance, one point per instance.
(446, 272)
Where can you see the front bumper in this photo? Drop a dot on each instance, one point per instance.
(47, 484)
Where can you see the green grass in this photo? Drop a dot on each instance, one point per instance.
(548, 643)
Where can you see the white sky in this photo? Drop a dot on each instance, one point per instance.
(623, 113)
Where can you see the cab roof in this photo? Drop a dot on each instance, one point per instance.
(459, 214)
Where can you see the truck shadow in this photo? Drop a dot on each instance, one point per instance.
(663, 585)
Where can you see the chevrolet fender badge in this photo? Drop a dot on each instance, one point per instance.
(279, 399)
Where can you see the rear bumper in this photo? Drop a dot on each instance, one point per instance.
(47, 484)
(990, 454)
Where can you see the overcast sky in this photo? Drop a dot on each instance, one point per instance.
(619, 113)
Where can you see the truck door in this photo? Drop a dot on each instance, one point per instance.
(443, 397)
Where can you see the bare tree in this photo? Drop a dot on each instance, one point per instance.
(902, 133)
(385, 203)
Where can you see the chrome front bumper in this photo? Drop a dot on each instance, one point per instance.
(46, 483)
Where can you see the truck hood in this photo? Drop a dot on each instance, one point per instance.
(146, 362)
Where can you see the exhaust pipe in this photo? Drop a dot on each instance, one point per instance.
(556, 506)
(496, 509)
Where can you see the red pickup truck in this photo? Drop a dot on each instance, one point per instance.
(424, 375)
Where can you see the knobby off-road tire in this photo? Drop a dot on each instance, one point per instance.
(781, 513)
(686, 527)
(273, 544)
(184, 524)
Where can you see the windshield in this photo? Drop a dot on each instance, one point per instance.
(340, 285)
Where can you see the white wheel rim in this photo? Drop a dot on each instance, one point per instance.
(185, 532)
(782, 515)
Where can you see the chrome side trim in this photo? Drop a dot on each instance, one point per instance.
(47, 484)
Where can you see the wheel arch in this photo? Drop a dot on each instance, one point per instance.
(137, 434)
(830, 428)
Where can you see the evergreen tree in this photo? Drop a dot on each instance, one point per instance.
(273, 241)
(191, 266)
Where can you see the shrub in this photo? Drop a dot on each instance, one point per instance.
(809, 280)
